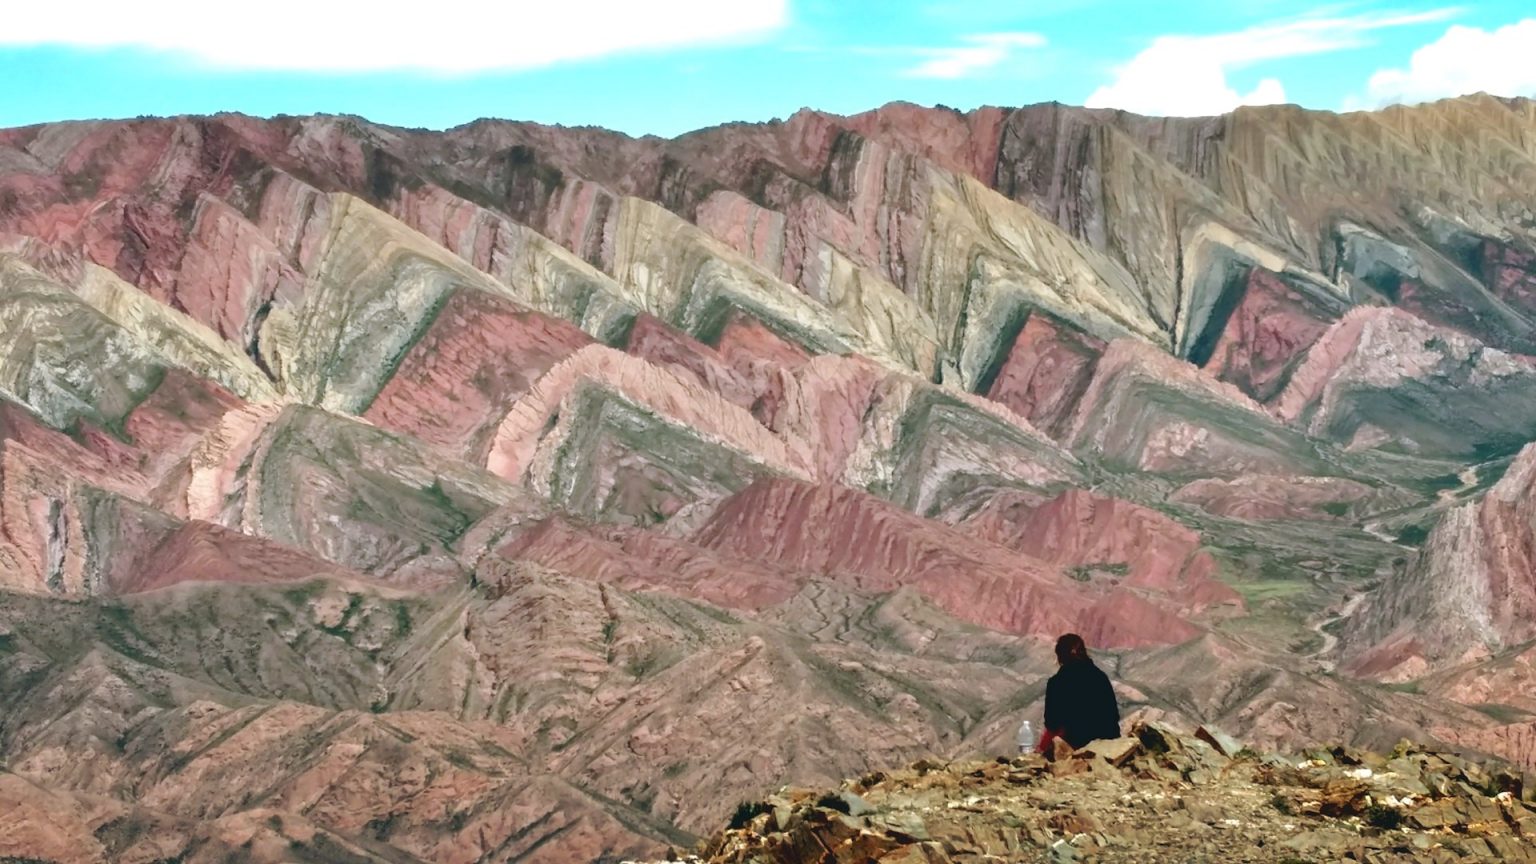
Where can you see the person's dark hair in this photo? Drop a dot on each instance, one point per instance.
(1070, 649)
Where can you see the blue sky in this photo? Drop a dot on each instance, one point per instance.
(667, 66)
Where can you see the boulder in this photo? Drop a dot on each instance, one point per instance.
(1115, 751)
(1225, 744)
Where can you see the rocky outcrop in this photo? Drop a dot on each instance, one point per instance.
(1267, 333)
(637, 560)
(471, 707)
(1383, 378)
(1147, 411)
(882, 547)
(1472, 593)
(1114, 800)
(660, 345)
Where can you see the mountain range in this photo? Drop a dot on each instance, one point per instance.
(532, 493)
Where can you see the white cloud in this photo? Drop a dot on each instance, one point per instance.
(374, 35)
(1464, 60)
(1186, 76)
(981, 51)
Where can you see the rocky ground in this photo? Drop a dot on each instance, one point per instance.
(1154, 796)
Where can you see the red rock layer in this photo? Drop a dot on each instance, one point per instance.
(1046, 373)
(1510, 273)
(1268, 331)
(637, 559)
(869, 544)
(1107, 538)
(175, 417)
(826, 402)
(1515, 741)
(1125, 619)
(1257, 497)
(204, 552)
(653, 341)
(1331, 351)
(746, 341)
(760, 357)
(18, 426)
(479, 356)
(838, 533)
(230, 270)
(964, 143)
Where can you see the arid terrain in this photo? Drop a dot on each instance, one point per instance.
(1151, 797)
(527, 493)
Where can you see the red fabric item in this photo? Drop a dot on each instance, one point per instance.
(1046, 738)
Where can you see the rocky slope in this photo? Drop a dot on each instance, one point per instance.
(1472, 594)
(606, 482)
(1152, 796)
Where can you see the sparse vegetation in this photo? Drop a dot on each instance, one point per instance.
(379, 828)
(1337, 509)
(343, 628)
(1502, 713)
(1383, 817)
(641, 665)
(1086, 572)
(1441, 482)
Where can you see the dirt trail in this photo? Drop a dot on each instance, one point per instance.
(1330, 641)
(1468, 478)
(1444, 498)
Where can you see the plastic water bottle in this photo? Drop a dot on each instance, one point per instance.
(1026, 737)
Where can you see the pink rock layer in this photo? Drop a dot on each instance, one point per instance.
(637, 559)
(479, 356)
(203, 552)
(1046, 373)
(653, 341)
(871, 545)
(1137, 547)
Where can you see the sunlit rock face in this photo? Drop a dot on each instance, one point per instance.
(1472, 594)
(539, 492)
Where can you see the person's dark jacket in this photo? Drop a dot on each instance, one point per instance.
(1080, 704)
